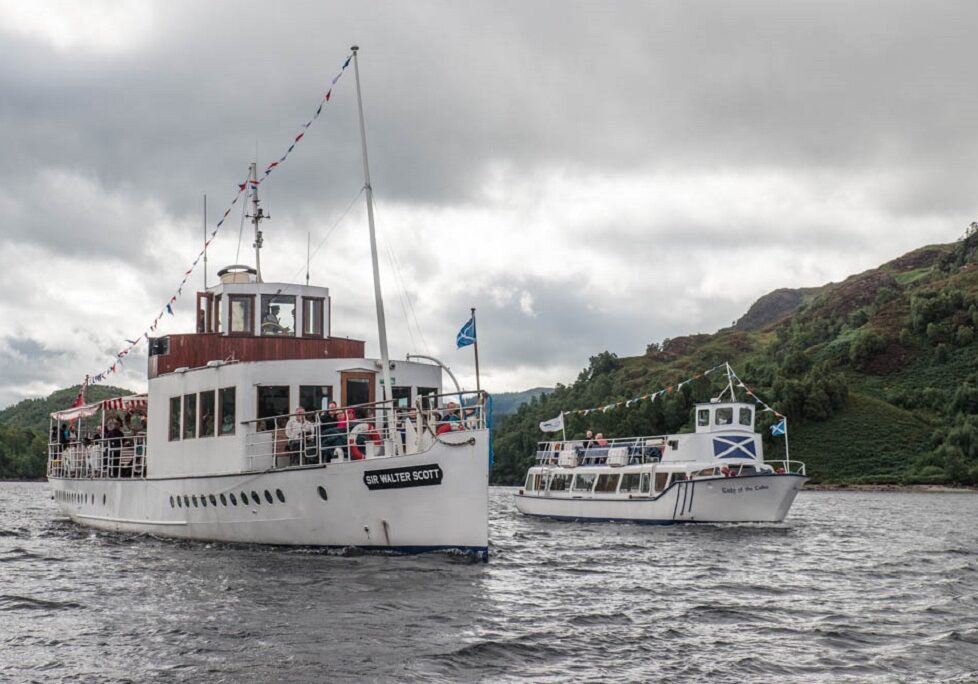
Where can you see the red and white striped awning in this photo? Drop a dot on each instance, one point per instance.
(133, 402)
(130, 403)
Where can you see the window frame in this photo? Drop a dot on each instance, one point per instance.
(189, 416)
(250, 298)
(177, 402)
(200, 413)
(218, 426)
(321, 302)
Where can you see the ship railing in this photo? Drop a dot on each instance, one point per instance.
(380, 429)
(106, 458)
(792, 467)
(648, 449)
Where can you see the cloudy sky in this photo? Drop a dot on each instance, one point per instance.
(589, 175)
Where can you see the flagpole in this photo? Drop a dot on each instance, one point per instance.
(787, 454)
(475, 329)
(563, 429)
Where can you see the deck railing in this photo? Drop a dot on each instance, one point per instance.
(111, 457)
(593, 452)
(365, 431)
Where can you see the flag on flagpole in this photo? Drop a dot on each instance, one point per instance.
(553, 425)
(466, 335)
(778, 428)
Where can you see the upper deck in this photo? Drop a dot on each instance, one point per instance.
(244, 319)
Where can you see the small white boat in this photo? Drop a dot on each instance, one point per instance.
(715, 474)
(235, 442)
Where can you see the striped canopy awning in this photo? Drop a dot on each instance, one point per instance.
(131, 403)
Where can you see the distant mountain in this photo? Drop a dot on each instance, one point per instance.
(33, 414)
(506, 403)
(878, 375)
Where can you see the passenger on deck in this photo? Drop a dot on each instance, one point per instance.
(114, 436)
(588, 439)
(298, 430)
(600, 440)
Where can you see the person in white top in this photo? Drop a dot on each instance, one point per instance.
(297, 431)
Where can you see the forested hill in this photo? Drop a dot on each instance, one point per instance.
(878, 376)
(24, 428)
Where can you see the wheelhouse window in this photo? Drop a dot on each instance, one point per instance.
(278, 315)
(207, 414)
(745, 416)
(226, 403)
(315, 397)
(312, 316)
(724, 416)
(242, 314)
(583, 482)
(703, 417)
(607, 483)
(174, 418)
(189, 416)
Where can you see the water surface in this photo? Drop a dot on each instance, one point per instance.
(854, 587)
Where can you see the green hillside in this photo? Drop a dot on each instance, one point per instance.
(24, 429)
(878, 376)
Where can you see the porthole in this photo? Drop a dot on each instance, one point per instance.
(103, 499)
(213, 500)
(322, 492)
(244, 498)
(234, 500)
(255, 497)
(203, 500)
(224, 500)
(194, 499)
(268, 497)
(179, 502)
(186, 501)
(280, 495)
(172, 504)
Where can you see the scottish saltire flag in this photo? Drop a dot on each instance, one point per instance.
(734, 446)
(466, 335)
(553, 425)
(778, 429)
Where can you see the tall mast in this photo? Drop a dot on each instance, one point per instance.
(257, 214)
(381, 324)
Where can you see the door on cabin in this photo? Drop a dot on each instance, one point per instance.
(357, 387)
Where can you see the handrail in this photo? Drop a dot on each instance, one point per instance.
(109, 457)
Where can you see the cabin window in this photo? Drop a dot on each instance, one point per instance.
(241, 310)
(535, 482)
(312, 317)
(207, 406)
(315, 397)
(427, 395)
(189, 416)
(630, 482)
(646, 481)
(745, 416)
(278, 315)
(226, 407)
(273, 400)
(401, 396)
(674, 444)
(661, 480)
(607, 484)
(583, 482)
(724, 416)
(703, 417)
(174, 418)
(560, 482)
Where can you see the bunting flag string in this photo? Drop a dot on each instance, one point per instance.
(652, 396)
(243, 188)
(750, 393)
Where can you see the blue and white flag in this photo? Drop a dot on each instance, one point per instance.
(778, 429)
(466, 335)
(553, 425)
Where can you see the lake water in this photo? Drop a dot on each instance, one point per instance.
(854, 587)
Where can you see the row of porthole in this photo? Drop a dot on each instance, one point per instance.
(202, 500)
(77, 497)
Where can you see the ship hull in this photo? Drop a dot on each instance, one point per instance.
(759, 498)
(430, 501)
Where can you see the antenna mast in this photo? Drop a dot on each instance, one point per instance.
(205, 241)
(381, 324)
(257, 214)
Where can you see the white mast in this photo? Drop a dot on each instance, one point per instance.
(257, 215)
(381, 324)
